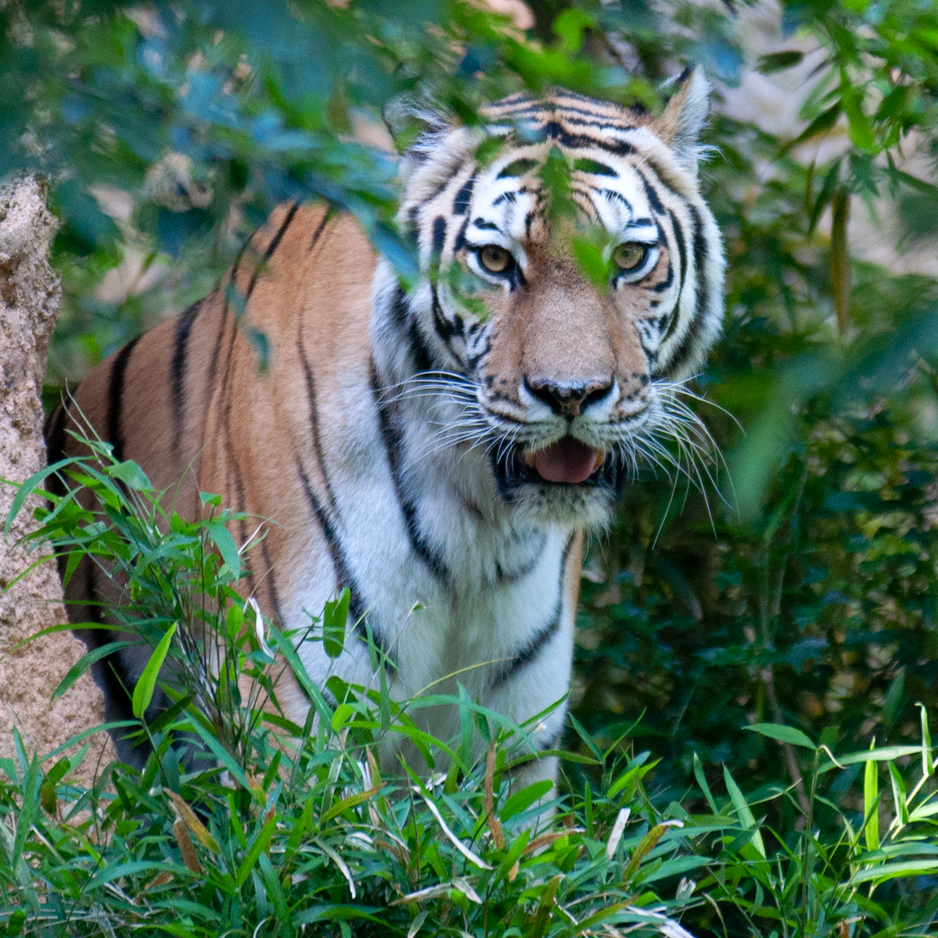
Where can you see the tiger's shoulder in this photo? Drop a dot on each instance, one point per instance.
(165, 399)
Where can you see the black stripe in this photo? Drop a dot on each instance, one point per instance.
(682, 254)
(228, 398)
(653, 199)
(271, 248)
(564, 558)
(422, 360)
(321, 512)
(681, 246)
(439, 234)
(541, 114)
(271, 580)
(320, 228)
(701, 253)
(221, 291)
(412, 230)
(532, 649)
(115, 397)
(508, 577)
(314, 418)
(177, 369)
(459, 242)
(555, 131)
(343, 575)
(392, 438)
(665, 284)
(54, 433)
(410, 331)
(619, 197)
(216, 352)
(110, 673)
(464, 197)
(596, 122)
(55, 437)
(241, 507)
(446, 329)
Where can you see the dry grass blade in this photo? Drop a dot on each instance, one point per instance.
(186, 847)
(495, 825)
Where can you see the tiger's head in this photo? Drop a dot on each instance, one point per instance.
(572, 278)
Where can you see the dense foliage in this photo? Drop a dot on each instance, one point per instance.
(302, 833)
(799, 586)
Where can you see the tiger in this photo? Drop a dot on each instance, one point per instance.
(439, 446)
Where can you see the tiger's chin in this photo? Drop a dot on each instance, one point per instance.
(539, 486)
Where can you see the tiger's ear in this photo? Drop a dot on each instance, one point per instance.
(684, 117)
(415, 126)
(411, 120)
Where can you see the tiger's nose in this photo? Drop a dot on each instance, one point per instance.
(569, 398)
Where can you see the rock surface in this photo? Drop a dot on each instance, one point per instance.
(29, 303)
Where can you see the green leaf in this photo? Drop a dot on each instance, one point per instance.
(702, 782)
(84, 663)
(28, 487)
(871, 805)
(743, 811)
(927, 766)
(592, 264)
(569, 27)
(260, 844)
(883, 754)
(143, 692)
(131, 475)
(895, 870)
(859, 126)
(338, 913)
(824, 196)
(334, 619)
(821, 124)
(779, 61)
(222, 539)
(349, 802)
(898, 794)
(521, 800)
(784, 734)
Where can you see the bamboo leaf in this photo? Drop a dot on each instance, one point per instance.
(743, 811)
(871, 805)
(349, 802)
(334, 618)
(927, 766)
(259, 844)
(840, 258)
(784, 734)
(143, 692)
(896, 870)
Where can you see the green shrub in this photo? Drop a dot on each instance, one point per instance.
(288, 830)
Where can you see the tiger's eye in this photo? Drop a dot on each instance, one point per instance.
(495, 259)
(630, 255)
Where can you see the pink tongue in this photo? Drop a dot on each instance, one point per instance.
(567, 460)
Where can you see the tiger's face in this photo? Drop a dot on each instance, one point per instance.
(571, 284)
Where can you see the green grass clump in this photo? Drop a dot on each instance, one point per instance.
(242, 823)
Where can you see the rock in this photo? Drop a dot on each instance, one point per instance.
(29, 303)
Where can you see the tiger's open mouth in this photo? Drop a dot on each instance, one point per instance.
(568, 461)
